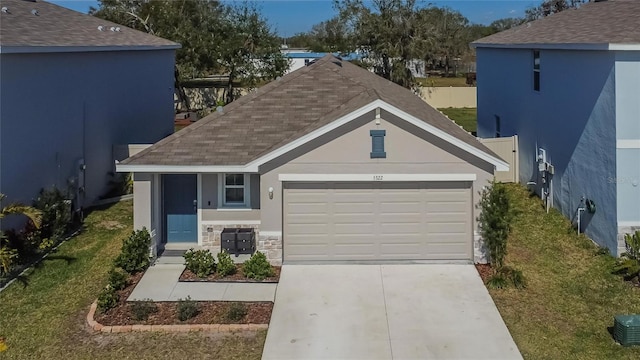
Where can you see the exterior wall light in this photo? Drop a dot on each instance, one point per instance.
(270, 192)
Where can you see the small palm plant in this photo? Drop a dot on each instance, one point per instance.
(32, 213)
(629, 263)
(8, 255)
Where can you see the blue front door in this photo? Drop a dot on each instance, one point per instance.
(180, 195)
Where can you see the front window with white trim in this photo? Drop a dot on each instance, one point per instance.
(235, 190)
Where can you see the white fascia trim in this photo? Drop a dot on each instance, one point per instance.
(377, 177)
(182, 169)
(498, 163)
(628, 144)
(66, 49)
(579, 46)
(624, 47)
(231, 222)
(628, 223)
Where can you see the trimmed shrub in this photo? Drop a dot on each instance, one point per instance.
(134, 255)
(226, 265)
(257, 267)
(237, 311)
(108, 299)
(142, 309)
(505, 277)
(187, 309)
(495, 222)
(497, 281)
(118, 278)
(200, 262)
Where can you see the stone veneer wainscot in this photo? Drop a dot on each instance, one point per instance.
(269, 243)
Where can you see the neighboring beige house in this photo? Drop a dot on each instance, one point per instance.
(329, 163)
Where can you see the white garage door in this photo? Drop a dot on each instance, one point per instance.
(377, 221)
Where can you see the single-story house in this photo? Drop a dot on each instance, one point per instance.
(330, 163)
(73, 87)
(569, 86)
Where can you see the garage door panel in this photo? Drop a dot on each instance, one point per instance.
(387, 229)
(447, 228)
(359, 239)
(353, 228)
(308, 229)
(451, 207)
(376, 221)
(403, 207)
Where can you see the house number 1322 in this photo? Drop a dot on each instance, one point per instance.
(377, 178)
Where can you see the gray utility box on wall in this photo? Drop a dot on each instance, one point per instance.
(238, 241)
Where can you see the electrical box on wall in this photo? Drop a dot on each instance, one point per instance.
(542, 159)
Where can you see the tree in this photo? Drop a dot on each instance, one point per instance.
(333, 35)
(384, 34)
(445, 35)
(250, 50)
(505, 24)
(550, 7)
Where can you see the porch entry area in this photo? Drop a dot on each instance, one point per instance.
(180, 194)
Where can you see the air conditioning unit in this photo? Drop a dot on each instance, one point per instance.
(626, 329)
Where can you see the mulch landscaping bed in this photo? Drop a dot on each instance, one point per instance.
(237, 277)
(485, 271)
(209, 312)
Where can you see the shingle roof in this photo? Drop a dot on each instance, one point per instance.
(597, 23)
(283, 111)
(55, 26)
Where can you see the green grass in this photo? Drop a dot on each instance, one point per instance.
(465, 117)
(43, 315)
(571, 296)
(434, 81)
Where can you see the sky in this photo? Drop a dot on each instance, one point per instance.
(289, 17)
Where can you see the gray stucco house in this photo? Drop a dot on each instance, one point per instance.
(328, 163)
(73, 86)
(569, 86)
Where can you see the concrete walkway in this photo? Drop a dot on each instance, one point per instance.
(385, 312)
(160, 283)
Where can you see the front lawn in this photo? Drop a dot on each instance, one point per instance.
(465, 117)
(43, 315)
(571, 296)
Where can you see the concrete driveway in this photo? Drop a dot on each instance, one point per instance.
(385, 312)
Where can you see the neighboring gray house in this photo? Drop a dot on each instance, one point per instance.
(73, 86)
(569, 86)
(329, 163)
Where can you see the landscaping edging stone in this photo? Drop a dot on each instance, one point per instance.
(220, 328)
